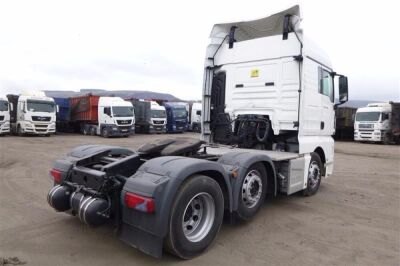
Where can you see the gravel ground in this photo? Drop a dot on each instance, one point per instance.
(353, 220)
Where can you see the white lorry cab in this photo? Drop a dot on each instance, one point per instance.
(267, 126)
(116, 117)
(158, 118)
(377, 122)
(4, 115)
(195, 117)
(33, 113)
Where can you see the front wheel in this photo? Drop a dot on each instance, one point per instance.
(196, 217)
(104, 133)
(314, 175)
(19, 131)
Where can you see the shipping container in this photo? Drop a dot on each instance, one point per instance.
(85, 108)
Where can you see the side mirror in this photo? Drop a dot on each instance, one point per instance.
(11, 106)
(343, 89)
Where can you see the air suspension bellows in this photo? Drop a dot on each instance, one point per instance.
(58, 198)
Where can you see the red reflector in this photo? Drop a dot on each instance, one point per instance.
(56, 174)
(139, 203)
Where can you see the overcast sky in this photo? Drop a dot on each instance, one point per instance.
(160, 45)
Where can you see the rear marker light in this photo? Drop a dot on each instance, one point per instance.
(56, 174)
(139, 203)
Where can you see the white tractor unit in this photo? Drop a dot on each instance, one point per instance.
(4, 116)
(32, 114)
(378, 122)
(267, 126)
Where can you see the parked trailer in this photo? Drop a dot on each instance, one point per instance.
(105, 116)
(150, 117)
(345, 123)
(63, 115)
(174, 193)
(5, 109)
(32, 114)
(378, 122)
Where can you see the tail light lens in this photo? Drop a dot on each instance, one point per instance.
(139, 203)
(57, 175)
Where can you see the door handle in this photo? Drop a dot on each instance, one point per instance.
(322, 125)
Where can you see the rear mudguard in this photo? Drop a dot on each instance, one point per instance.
(241, 161)
(160, 178)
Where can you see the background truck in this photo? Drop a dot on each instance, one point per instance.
(4, 115)
(345, 123)
(150, 117)
(378, 122)
(173, 194)
(105, 116)
(32, 113)
(195, 117)
(177, 117)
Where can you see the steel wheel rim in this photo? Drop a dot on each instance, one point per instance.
(252, 189)
(198, 217)
(314, 174)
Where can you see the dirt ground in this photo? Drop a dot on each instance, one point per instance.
(353, 220)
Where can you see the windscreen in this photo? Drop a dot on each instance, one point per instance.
(368, 116)
(179, 112)
(158, 114)
(3, 105)
(122, 111)
(40, 106)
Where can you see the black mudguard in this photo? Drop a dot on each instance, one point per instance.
(241, 161)
(160, 178)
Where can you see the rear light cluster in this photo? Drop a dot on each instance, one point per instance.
(57, 175)
(139, 203)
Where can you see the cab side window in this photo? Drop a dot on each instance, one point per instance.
(107, 111)
(325, 83)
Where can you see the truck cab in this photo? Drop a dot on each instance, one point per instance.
(158, 118)
(195, 117)
(177, 117)
(116, 117)
(268, 87)
(33, 114)
(373, 122)
(4, 116)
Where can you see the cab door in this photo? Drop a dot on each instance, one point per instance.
(326, 91)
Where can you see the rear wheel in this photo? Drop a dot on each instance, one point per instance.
(196, 217)
(253, 191)
(314, 175)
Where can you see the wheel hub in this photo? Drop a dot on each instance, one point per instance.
(251, 189)
(314, 174)
(198, 217)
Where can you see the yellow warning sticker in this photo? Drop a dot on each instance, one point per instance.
(254, 73)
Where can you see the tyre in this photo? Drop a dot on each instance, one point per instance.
(19, 131)
(196, 217)
(314, 175)
(104, 132)
(252, 192)
(85, 130)
(92, 131)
